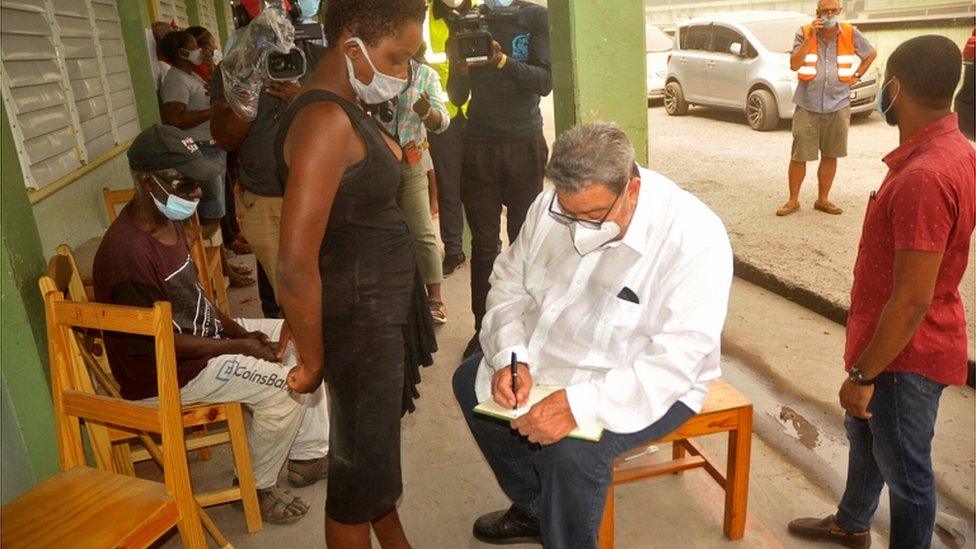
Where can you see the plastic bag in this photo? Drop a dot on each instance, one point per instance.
(245, 67)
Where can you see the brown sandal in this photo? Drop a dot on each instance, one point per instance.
(281, 506)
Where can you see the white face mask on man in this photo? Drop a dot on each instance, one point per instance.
(587, 239)
(381, 89)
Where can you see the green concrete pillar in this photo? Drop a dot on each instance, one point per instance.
(136, 21)
(599, 66)
(222, 7)
(24, 353)
(193, 13)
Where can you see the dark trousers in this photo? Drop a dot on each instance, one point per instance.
(447, 151)
(894, 447)
(565, 484)
(495, 174)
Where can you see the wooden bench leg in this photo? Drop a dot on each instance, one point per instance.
(737, 479)
(605, 537)
(678, 452)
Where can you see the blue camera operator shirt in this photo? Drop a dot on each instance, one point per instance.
(505, 102)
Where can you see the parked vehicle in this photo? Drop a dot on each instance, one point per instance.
(658, 47)
(741, 60)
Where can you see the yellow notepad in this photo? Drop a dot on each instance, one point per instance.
(493, 409)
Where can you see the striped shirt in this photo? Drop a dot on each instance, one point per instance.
(406, 124)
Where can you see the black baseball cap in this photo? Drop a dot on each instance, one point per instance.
(161, 147)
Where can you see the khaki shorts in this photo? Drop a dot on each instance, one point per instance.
(826, 133)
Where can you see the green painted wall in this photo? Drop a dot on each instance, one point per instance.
(136, 21)
(22, 332)
(222, 7)
(16, 475)
(193, 12)
(599, 66)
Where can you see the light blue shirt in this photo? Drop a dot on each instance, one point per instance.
(826, 93)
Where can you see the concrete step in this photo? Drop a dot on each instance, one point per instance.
(789, 361)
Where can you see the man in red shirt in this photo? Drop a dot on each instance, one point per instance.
(906, 333)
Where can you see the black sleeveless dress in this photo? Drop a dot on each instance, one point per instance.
(376, 323)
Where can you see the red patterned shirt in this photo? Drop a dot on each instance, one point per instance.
(926, 203)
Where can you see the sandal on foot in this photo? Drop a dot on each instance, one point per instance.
(438, 311)
(787, 209)
(240, 281)
(281, 506)
(242, 270)
(306, 472)
(240, 247)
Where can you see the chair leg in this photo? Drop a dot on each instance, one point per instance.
(678, 452)
(204, 454)
(737, 479)
(605, 539)
(242, 463)
(122, 459)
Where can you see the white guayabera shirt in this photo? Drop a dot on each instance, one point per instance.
(623, 363)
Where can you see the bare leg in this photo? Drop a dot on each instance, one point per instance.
(798, 170)
(390, 532)
(825, 176)
(346, 536)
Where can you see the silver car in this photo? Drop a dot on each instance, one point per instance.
(658, 46)
(741, 60)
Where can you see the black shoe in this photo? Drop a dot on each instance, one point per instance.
(473, 348)
(507, 527)
(825, 529)
(452, 262)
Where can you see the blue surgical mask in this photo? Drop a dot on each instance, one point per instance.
(175, 208)
(310, 8)
(495, 4)
(829, 22)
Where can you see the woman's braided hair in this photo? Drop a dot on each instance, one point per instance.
(371, 20)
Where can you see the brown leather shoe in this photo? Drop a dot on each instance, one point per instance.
(825, 529)
(787, 209)
(827, 207)
(307, 472)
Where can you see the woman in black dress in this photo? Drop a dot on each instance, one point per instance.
(347, 276)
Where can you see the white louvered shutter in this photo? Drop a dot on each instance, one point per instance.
(35, 99)
(122, 98)
(172, 10)
(65, 83)
(208, 18)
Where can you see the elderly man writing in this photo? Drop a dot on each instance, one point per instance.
(616, 289)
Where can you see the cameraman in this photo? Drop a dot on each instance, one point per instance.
(505, 151)
(254, 142)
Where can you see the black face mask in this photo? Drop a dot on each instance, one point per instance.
(885, 106)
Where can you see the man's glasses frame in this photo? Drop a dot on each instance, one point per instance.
(566, 219)
(174, 182)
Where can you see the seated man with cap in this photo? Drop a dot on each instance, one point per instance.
(144, 258)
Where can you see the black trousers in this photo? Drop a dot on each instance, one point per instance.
(447, 150)
(494, 174)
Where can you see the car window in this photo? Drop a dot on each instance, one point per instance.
(657, 40)
(695, 37)
(777, 36)
(723, 37)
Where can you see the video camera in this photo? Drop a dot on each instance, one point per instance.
(289, 65)
(470, 30)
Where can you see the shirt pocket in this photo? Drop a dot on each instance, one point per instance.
(624, 319)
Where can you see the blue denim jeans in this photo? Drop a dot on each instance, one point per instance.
(564, 485)
(894, 447)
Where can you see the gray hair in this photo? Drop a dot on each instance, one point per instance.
(591, 154)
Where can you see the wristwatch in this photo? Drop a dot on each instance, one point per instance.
(856, 376)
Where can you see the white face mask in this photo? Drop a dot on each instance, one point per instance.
(587, 240)
(195, 56)
(383, 87)
(217, 56)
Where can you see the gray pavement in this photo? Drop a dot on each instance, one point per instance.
(741, 174)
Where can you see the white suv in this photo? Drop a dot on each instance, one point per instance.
(741, 60)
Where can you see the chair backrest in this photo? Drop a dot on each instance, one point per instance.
(68, 323)
(114, 199)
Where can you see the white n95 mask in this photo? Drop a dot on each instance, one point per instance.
(383, 87)
(588, 240)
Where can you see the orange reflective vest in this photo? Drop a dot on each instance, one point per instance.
(846, 56)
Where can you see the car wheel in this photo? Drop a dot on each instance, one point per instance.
(761, 111)
(674, 99)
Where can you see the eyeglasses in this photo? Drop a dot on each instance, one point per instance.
(174, 182)
(835, 11)
(566, 219)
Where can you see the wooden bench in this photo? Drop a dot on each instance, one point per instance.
(85, 507)
(726, 410)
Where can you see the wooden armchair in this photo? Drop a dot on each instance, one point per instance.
(109, 418)
(207, 259)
